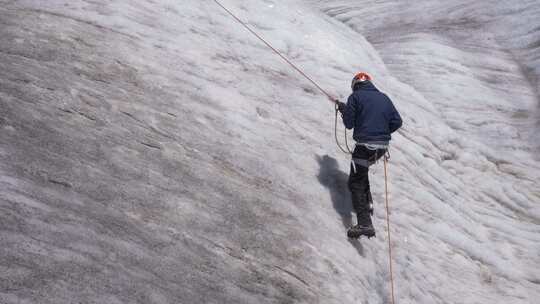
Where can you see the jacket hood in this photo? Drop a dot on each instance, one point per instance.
(366, 85)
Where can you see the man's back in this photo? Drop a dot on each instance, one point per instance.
(371, 114)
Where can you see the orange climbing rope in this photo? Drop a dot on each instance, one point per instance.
(386, 157)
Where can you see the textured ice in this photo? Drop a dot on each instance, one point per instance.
(155, 152)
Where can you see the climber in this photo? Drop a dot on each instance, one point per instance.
(373, 116)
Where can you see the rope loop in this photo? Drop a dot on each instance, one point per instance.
(347, 149)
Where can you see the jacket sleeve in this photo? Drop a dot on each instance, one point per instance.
(350, 113)
(394, 121)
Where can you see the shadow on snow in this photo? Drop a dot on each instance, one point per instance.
(336, 181)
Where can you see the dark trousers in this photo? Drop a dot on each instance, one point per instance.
(359, 182)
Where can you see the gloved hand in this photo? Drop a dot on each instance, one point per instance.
(340, 106)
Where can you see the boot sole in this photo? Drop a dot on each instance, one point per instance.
(357, 235)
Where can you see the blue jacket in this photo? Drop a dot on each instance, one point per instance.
(371, 113)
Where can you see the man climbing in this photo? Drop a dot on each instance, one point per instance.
(373, 116)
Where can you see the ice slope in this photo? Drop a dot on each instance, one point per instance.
(154, 152)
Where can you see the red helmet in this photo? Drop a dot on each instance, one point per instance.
(360, 77)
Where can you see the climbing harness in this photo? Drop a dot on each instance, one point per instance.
(373, 159)
(375, 146)
(347, 148)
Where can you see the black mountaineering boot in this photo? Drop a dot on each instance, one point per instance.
(364, 227)
(358, 230)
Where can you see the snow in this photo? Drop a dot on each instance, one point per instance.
(156, 152)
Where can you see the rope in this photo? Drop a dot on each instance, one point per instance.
(330, 97)
(348, 151)
(386, 158)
